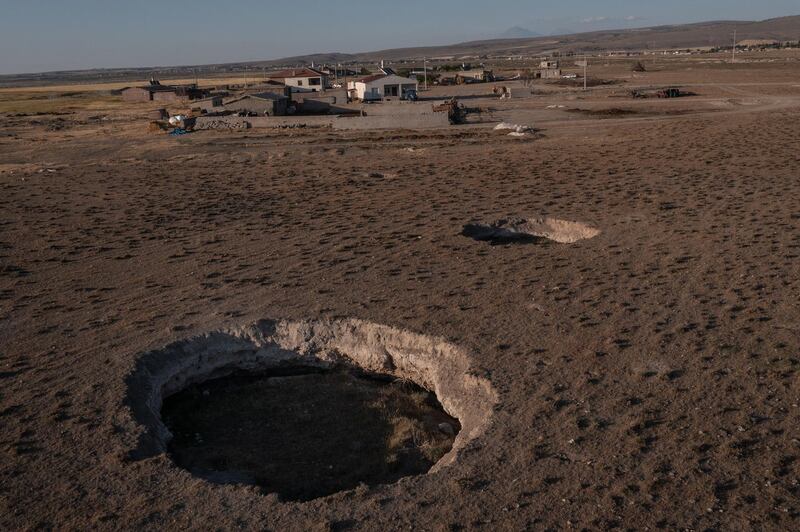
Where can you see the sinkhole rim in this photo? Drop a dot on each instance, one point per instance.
(430, 362)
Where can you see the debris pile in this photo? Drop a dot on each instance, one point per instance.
(516, 129)
(670, 92)
(455, 112)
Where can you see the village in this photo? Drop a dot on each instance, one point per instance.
(298, 96)
(354, 97)
(341, 98)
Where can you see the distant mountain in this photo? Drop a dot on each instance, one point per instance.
(518, 32)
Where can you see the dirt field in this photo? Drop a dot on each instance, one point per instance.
(646, 378)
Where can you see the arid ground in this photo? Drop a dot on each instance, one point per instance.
(646, 378)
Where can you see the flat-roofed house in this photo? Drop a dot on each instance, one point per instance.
(304, 79)
(263, 104)
(381, 87)
(150, 93)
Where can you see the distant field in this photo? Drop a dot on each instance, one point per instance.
(80, 96)
(32, 102)
(92, 86)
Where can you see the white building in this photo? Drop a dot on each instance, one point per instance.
(381, 87)
(302, 79)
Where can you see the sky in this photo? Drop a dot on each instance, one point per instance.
(47, 35)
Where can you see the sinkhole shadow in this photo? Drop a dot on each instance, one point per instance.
(498, 236)
(306, 433)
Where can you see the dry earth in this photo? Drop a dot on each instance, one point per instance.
(645, 378)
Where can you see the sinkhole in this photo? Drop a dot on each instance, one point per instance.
(306, 409)
(529, 230)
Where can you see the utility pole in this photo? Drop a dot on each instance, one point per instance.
(585, 68)
(346, 84)
(245, 77)
(425, 69)
(733, 52)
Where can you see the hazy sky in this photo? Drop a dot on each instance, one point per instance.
(42, 35)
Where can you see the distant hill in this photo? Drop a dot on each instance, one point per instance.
(518, 32)
(717, 33)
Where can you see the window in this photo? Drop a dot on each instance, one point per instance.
(299, 82)
(314, 81)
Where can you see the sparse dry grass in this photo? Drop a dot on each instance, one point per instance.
(32, 102)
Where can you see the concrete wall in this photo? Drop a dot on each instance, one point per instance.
(393, 108)
(432, 120)
(408, 121)
(292, 121)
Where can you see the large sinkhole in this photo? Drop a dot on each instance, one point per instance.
(308, 409)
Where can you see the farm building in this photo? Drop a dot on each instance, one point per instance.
(148, 93)
(306, 79)
(320, 102)
(467, 76)
(264, 104)
(381, 87)
(208, 104)
(548, 73)
(473, 76)
(161, 93)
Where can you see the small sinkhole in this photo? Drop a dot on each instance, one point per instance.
(305, 432)
(529, 231)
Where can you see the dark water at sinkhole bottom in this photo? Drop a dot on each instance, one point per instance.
(307, 434)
